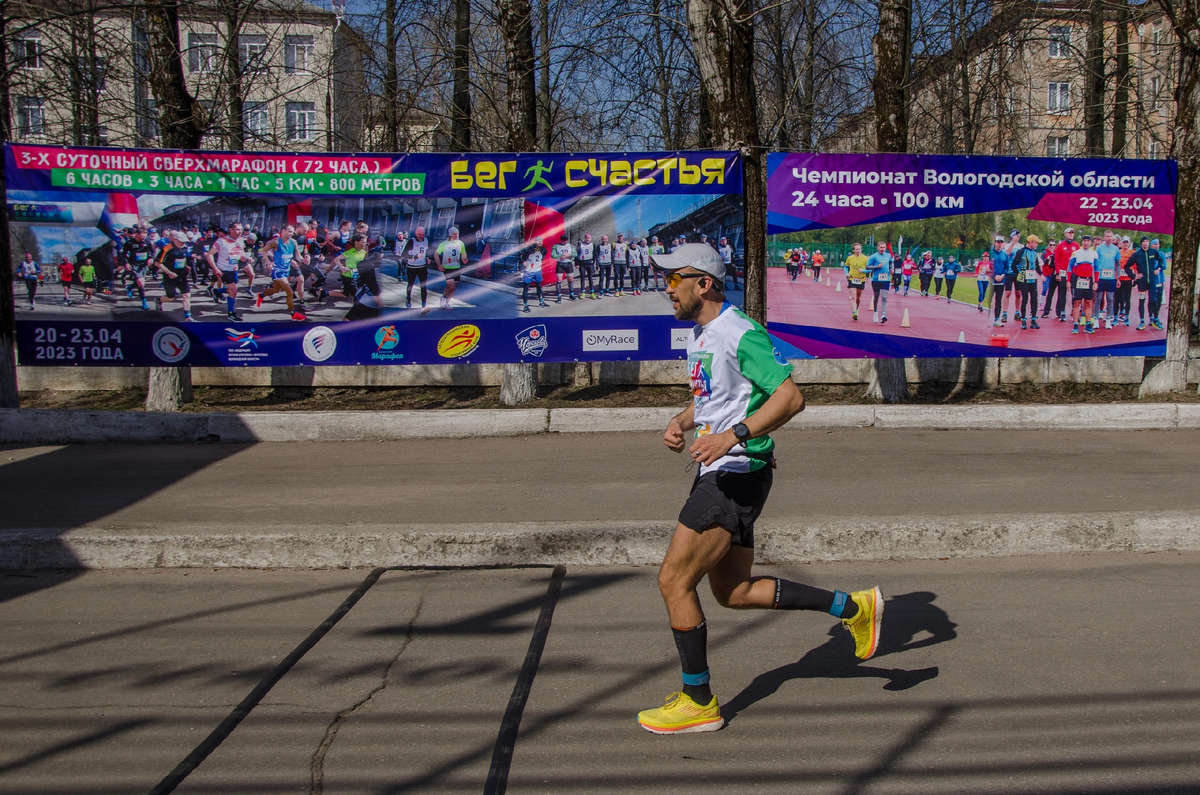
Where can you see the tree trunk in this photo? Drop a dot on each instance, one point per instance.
(9, 397)
(181, 117)
(182, 121)
(391, 79)
(722, 35)
(519, 381)
(516, 26)
(545, 118)
(235, 136)
(783, 80)
(1122, 75)
(808, 103)
(1093, 103)
(1170, 375)
(892, 46)
(460, 118)
(169, 388)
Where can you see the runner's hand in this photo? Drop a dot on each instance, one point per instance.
(673, 437)
(711, 446)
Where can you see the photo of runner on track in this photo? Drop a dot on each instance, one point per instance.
(1034, 286)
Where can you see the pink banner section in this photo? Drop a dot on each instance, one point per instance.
(1146, 213)
(50, 157)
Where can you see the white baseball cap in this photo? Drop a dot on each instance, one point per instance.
(692, 255)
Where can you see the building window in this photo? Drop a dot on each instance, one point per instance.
(1058, 98)
(256, 123)
(1154, 149)
(297, 54)
(31, 117)
(301, 122)
(1060, 42)
(253, 52)
(147, 119)
(202, 53)
(1058, 146)
(1156, 39)
(1155, 90)
(89, 81)
(27, 50)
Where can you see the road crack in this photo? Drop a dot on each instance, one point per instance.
(317, 785)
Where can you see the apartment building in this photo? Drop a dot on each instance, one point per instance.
(1017, 87)
(81, 77)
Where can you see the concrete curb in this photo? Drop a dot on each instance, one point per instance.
(47, 426)
(594, 543)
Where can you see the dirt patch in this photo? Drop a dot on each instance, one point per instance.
(608, 396)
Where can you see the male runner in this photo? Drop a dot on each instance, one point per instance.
(791, 260)
(87, 276)
(1083, 284)
(1108, 260)
(635, 267)
(726, 252)
(31, 273)
(953, 268)
(531, 273)
(620, 256)
(414, 258)
(451, 258)
(1027, 263)
(282, 253)
(586, 259)
(224, 258)
(66, 273)
(1001, 266)
(818, 259)
(856, 278)
(1012, 248)
(742, 390)
(172, 262)
(1149, 263)
(604, 258)
(137, 253)
(879, 265)
(1062, 273)
(652, 272)
(564, 268)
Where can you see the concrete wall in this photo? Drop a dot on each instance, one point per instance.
(1110, 370)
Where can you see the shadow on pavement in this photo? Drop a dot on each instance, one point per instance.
(906, 617)
(44, 496)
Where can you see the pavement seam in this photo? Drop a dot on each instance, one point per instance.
(317, 765)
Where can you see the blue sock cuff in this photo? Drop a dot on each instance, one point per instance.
(839, 604)
(695, 679)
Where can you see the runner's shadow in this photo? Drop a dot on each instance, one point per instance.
(910, 621)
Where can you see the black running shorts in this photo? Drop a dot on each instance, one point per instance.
(732, 500)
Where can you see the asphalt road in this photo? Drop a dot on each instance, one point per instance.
(589, 477)
(1063, 675)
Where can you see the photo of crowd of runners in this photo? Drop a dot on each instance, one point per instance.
(1085, 281)
(503, 264)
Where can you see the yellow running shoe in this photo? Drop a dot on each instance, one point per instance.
(681, 715)
(865, 624)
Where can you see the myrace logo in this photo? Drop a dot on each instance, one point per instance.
(386, 340)
(611, 340)
(319, 343)
(533, 341)
(680, 337)
(170, 344)
(459, 341)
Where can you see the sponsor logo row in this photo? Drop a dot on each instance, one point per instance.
(172, 344)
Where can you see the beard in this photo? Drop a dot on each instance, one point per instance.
(688, 310)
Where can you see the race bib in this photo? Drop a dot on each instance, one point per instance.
(1108, 273)
(1083, 283)
(1031, 275)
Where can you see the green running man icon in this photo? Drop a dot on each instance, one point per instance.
(537, 171)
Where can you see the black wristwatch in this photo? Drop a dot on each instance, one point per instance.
(741, 432)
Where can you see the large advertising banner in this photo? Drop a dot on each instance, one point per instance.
(879, 255)
(155, 257)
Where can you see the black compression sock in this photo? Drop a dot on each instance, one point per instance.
(693, 657)
(796, 596)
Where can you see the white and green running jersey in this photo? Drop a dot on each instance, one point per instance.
(733, 369)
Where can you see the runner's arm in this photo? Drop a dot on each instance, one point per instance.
(680, 423)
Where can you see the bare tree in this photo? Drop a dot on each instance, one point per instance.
(9, 395)
(1122, 76)
(460, 130)
(1170, 375)
(1093, 104)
